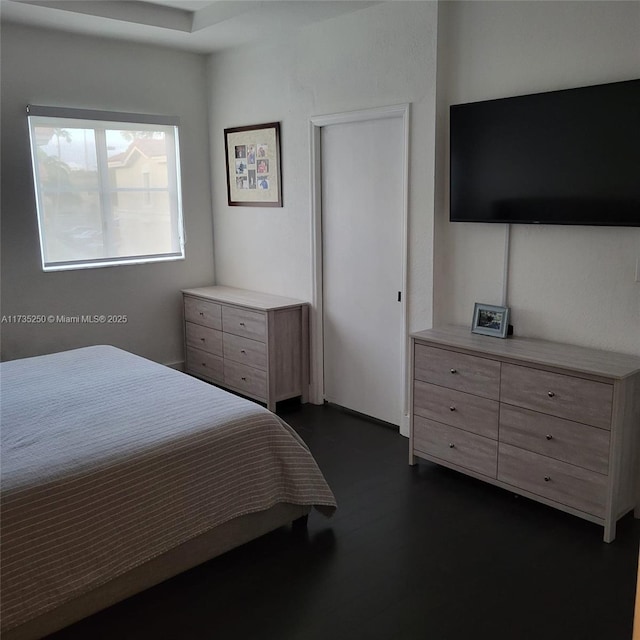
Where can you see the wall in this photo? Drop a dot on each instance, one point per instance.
(569, 284)
(59, 69)
(379, 56)
(572, 284)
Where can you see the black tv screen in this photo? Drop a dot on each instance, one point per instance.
(562, 157)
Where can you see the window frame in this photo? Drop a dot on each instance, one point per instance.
(96, 120)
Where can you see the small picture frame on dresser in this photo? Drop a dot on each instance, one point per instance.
(490, 320)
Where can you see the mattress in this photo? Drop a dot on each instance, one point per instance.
(109, 460)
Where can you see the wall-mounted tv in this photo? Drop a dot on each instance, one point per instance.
(562, 157)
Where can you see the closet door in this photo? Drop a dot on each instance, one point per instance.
(362, 227)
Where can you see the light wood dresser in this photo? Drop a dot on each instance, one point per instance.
(556, 423)
(253, 343)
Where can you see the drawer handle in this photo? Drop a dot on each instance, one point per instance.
(452, 446)
(242, 324)
(547, 478)
(549, 436)
(551, 394)
(453, 370)
(202, 339)
(242, 351)
(452, 408)
(204, 364)
(243, 378)
(201, 313)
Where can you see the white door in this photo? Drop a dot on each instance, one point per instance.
(362, 228)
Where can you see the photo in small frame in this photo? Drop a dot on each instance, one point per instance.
(490, 320)
(253, 165)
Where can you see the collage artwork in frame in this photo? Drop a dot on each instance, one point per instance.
(253, 165)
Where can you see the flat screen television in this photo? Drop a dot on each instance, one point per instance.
(561, 157)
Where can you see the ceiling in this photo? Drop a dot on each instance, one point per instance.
(203, 26)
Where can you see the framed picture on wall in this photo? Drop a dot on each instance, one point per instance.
(253, 165)
(489, 320)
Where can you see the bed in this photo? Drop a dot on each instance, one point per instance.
(118, 473)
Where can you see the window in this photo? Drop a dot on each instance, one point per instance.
(107, 187)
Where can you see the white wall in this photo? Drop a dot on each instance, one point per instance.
(572, 284)
(379, 56)
(59, 69)
(568, 284)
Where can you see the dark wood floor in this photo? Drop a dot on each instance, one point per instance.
(412, 553)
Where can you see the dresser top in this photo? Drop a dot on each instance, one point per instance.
(596, 362)
(243, 297)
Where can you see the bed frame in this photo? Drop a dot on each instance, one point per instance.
(209, 545)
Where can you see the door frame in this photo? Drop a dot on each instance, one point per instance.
(316, 391)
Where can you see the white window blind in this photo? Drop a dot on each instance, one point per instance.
(107, 187)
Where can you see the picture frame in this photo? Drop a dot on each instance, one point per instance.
(490, 320)
(252, 155)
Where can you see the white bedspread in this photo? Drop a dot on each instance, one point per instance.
(109, 459)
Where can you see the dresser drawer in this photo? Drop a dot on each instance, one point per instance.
(557, 438)
(455, 408)
(208, 314)
(459, 371)
(252, 382)
(205, 364)
(564, 483)
(559, 395)
(453, 445)
(245, 351)
(241, 322)
(200, 337)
